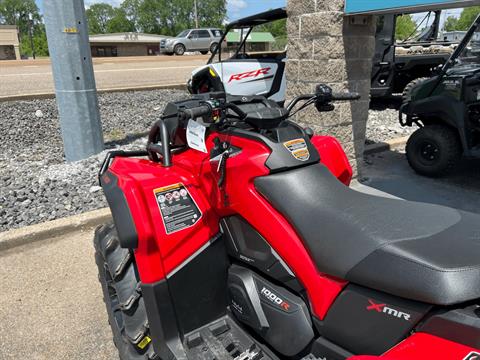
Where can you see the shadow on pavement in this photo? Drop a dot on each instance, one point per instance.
(389, 172)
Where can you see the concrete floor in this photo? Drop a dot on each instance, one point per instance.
(51, 300)
(52, 305)
(33, 77)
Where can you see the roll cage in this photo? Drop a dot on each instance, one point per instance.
(248, 23)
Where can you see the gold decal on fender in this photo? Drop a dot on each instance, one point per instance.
(298, 148)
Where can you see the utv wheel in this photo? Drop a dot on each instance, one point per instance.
(433, 150)
(407, 96)
(179, 49)
(122, 295)
(213, 47)
(204, 52)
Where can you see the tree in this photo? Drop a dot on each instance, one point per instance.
(277, 28)
(169, 17)
(211, 13)
(98, 16)
(16, 12)
(39, 42)
(132, 11)
(467, 17)
(120, 23)
(451, 24)
(405, 27)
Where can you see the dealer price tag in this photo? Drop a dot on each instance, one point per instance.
(196, 136)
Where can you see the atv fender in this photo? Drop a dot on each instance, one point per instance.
(333, 157)
(432, 110)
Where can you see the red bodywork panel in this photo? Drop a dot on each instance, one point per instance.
(159, 254)
(421, 346)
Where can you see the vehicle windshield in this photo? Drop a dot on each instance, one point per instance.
(261, 41)
(183, 34)
(471, 54)
(467, 52)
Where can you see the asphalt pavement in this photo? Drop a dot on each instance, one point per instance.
(35, 76)
(389, 172)
(51, 300)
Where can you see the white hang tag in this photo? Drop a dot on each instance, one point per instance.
(196, 136)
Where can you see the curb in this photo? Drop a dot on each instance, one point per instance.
(38, 232)
(385, 146)
(51, 95)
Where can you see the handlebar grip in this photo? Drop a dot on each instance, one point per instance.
(345, 96)
(196, 112)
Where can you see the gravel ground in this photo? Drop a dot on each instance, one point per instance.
(35, 183)
(384, 125)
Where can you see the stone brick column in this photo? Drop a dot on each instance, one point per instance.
(326, 47)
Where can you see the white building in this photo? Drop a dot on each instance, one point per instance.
(125, 44)
(9, 45)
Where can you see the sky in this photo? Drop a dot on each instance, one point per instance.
(240, 8)
(236, 8)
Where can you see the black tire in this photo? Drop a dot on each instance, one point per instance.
(122, 295)
(213, 47)
(179, 49)
(204, 52)
(434, 150)
(406, 95)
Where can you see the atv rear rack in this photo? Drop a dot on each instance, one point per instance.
(118, 153)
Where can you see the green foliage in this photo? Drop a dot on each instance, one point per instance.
(120, 23)
(405, 27)
(211, 13)
(16, 12)
(168, 17)
(451, 24)
(277, 28)
(39, 42)
(98, 16)
(132, 11)
(467, 17)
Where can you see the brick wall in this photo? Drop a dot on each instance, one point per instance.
(326, 47)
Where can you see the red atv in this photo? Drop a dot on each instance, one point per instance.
(236, 236)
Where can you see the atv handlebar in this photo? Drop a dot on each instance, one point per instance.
(348, 96)
(196, 112)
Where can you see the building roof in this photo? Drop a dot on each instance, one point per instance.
(8, 35)
(253, 37)
(126, 38)
(258, 19)
(8, 27)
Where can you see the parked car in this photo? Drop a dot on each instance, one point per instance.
(203, 40)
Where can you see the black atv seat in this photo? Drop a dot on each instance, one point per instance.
(418, 251)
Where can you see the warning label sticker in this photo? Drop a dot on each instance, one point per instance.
(178, 209)
(298, 148)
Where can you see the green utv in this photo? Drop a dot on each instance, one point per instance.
(446, 108)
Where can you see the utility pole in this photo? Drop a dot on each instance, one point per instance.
(75, 88)
(30, 33)
(196, 13)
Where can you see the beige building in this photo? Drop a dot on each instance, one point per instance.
(9, 45)
(125, 44)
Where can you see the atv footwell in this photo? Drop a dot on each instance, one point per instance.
(223, 339)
